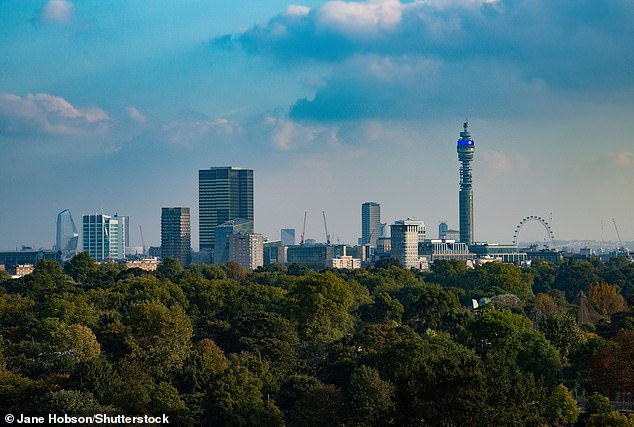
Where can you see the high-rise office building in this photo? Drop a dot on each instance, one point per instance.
(247, 250)
(404, 239)
(466, 148)
(442, 230)
(222, 234)
(224, 193)
(67, 235)
(287, 236)
(370, 223)
(176, 235)
(422, 231)
(104, 237)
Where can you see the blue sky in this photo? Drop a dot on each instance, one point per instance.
(113, 106)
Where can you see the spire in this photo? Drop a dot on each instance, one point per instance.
(465, 133)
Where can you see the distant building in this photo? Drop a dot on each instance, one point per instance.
(154, 252)
(452, 234)
(67, 237)
(313, 256)
(466, 149)
(274, 252)
(223, 233)
(224, 193)
(176, 235)
(370, 223)
(383, 247)
(104, 237)
(22, 270)
(344, 262)
(544, 254)
(504, 253)
(436, 250)
(27, 256)
(404, 237)
(147, 264)
(442, 230)
(421, 231)
(247, 250)
(287, 236)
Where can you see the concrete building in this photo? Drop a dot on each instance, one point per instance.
(442, 230)
(176, 234)
(344, 262)
(287, 236)
(503, 253)
(223, 233)
(147, 264)
(247, 250)
(67, 236)
(466, 148)
(104, 237)
(274, 252)
(224, 193)
(435, 250)
(421, 231)
(404, 240)
(370, 223)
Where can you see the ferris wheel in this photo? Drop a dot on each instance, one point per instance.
(548, 238)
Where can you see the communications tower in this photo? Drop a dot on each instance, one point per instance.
(466, 148)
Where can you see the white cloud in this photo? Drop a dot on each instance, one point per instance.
(295, 10)
(360, 17)
(191, 131)
(57, 11)
(136, 115)
(47, 114)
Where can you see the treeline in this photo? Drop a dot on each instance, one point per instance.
(218, 345)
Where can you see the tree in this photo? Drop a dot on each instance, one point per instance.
(76, 341)
(201, 366)
(369, 396)
(321, 406)
(562, 407)
(384, 309)
(321, 306)
(81, 268)
(70, 402)
(171, 269)
(598, 404)
(611, 419)
(612, 367)
(575, 276)
(160, 338)
(562, 331)
(606, 298)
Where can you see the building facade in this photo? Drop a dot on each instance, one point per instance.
(404, 240)
(103, 237)
(274, 252)
(223, 233)
(176, 235)
(466, 148)
(287, 236)
(370, 223)
(67, 238)
(247, 250)
(224, 193)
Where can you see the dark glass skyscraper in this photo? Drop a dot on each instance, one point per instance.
(370, 223)
(466, 148)
(224, 193)
(176, 235)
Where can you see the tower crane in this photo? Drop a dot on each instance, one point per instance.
(301, 242)
(326, 227)
(622, 247)
(142, 239)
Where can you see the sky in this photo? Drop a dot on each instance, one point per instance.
(113, 106)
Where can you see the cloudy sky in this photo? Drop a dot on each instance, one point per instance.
(113, 106)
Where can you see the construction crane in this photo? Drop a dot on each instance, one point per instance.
(622, 247)
(326, 227)
(142, 239)
(301, 242)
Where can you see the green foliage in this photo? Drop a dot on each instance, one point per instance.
(218, 345)
(562, 407)
(598, 404)
(611, 419)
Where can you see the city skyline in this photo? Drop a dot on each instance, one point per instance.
(366, 108)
